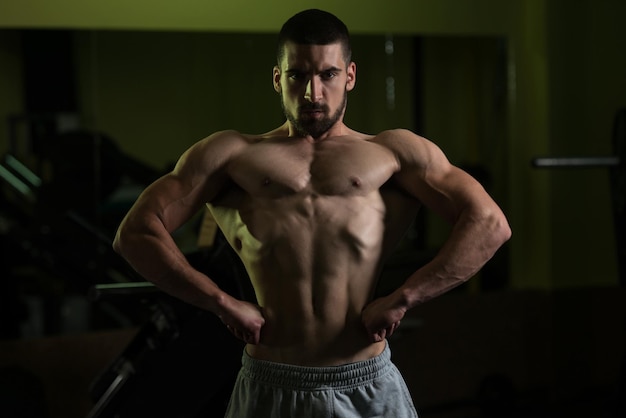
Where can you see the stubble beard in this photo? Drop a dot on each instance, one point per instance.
(314, 127)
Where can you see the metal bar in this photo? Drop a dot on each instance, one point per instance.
(123, 376)
(131, 288)
(14, 181)
(557, 162)
(22, 170)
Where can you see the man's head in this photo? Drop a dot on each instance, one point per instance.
(314, 72)
(314, 27)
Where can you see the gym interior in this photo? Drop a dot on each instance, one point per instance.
(98, 100)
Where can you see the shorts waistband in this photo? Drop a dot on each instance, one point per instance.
(301, 377)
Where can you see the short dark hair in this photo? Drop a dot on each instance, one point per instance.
(314, 27)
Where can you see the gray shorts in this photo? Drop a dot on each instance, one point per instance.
(370, 388)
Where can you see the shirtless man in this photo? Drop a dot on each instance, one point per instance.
(313, 208)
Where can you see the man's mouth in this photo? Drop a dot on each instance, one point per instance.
(312, 111)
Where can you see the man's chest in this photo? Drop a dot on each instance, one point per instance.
(335, 167)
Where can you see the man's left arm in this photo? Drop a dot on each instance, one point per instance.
(479, 228)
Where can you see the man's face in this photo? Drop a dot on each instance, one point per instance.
(313, 81)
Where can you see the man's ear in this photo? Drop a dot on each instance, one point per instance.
(276, 79)
(351, 76)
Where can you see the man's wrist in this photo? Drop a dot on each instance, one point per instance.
(218, 302)
(406, 298)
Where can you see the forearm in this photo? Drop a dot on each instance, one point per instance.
(155, 256)
(473, 241)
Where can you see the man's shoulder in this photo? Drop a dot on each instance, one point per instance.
(398, 140)
(393, 135)
(230, 135)
(409, 148)
(216, 149)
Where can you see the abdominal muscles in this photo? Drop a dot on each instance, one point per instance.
(314, 269)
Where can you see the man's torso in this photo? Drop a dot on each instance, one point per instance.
(312, 223)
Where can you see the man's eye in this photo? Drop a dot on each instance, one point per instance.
(295, 76)
(328, 75)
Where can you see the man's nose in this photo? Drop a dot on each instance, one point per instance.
(313, 91)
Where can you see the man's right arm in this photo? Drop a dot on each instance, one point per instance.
(144, 237)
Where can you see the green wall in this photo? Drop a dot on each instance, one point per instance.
(156, 93)
(587, 85)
